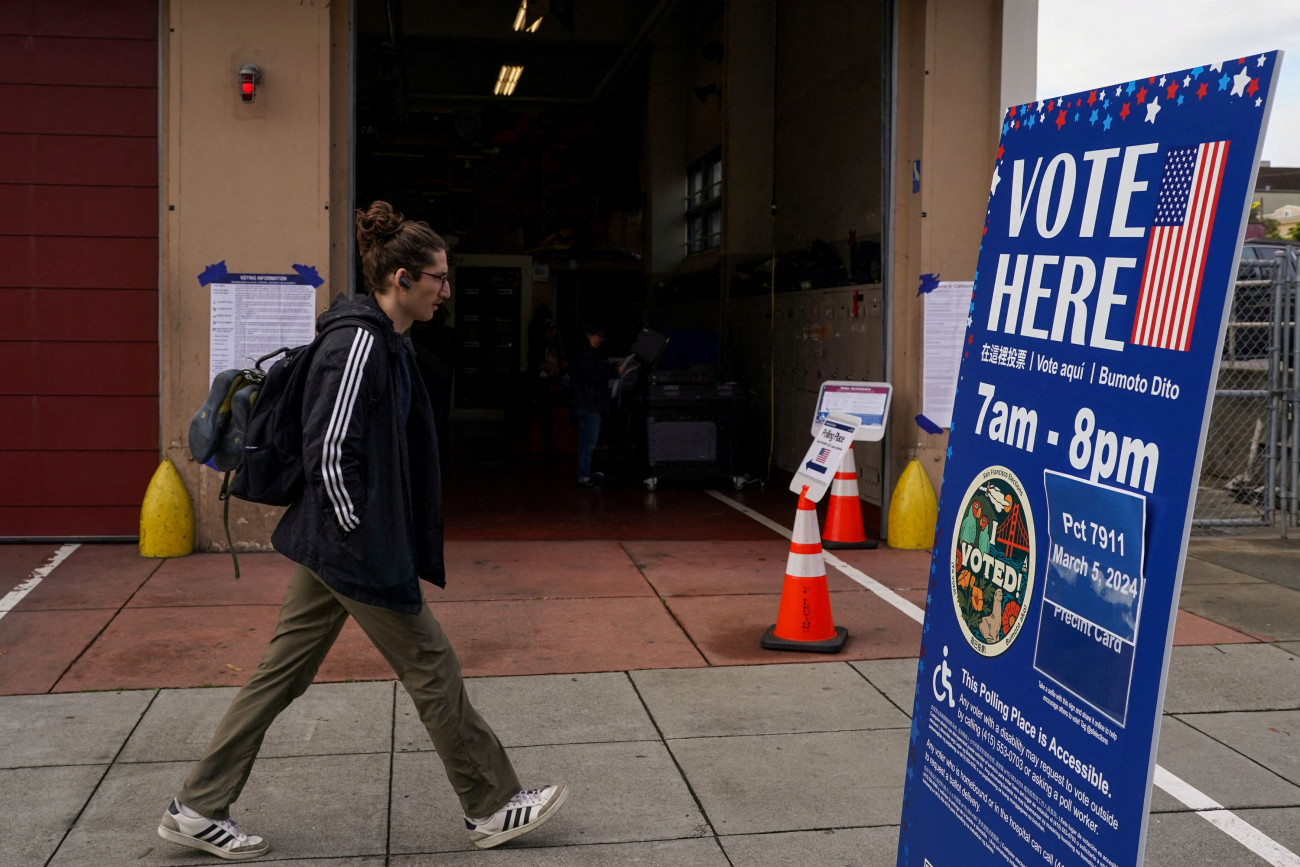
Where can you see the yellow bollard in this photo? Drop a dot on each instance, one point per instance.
(166, 518)
(913, 510)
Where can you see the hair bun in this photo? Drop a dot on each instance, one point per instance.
(379, 222)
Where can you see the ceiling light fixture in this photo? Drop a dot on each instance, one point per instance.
(521, 19)
(507, 78)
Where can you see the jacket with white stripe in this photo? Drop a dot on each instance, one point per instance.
(369, 521)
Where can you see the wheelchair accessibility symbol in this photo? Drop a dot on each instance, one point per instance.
(941, 681)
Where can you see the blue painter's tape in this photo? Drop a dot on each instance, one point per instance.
(928, 426)
(929, 283)
(213, 273)
(308, 274)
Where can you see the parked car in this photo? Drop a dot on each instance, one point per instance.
(1256, 252)
(1252, 306)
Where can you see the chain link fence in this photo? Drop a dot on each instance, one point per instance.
(1249, 473)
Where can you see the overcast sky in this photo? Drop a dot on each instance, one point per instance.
(1084, 44)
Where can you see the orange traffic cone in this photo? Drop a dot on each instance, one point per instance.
(844, 512)
(804, 620)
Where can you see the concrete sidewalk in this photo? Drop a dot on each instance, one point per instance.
(745, 766)
(683, 743)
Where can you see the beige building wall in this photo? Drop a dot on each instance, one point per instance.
(949, 117)
(245, 184)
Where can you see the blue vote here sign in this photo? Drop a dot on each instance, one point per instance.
(1100, 300)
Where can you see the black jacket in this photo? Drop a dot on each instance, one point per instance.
(369, 521)
(591, 373)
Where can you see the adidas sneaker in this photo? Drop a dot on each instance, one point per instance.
(521, 814)
(219, 837)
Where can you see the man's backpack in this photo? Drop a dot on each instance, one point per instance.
(251, 427)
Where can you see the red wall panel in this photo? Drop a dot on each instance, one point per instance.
(95, 478)
(80, 211)
(79, 159)
(79, 368)
(25, 522)
(32, 261)
(47, 60)
(78, 423)
(104, 18)
(69, 110)
(79, 314)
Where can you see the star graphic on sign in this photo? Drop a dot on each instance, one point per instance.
(1217, 67)
(1153, 108)
(1060, 120)
(1201, 91)
(1105, 124)
(1005, 129)
(1092, 97)
(1239, 82)
(1117, 91)
(1262, 59)
(1076, 116)
(1001, 150)
(1258, 102)
(997, 178)
(1180, 99)
(1162, 81)
(1223, 82)
(1123, 112)
(1131, 88)
(1196, 72)
(1253, 86)
(1142, 96)
(1093, 119)
(1187, 81)
(1030, 123)
(1171, 90)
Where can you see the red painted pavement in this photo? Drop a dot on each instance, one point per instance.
(542, 578)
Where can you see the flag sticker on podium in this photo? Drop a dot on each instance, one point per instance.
(1177, 245)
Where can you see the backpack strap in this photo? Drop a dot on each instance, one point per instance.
(225, 517)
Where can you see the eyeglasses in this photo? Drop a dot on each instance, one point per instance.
(443, 279)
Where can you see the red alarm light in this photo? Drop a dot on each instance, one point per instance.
(249, 76)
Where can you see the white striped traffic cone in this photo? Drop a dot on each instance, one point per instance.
(844, 511)
(804, 620)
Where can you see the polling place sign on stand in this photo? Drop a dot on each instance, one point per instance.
(1103, 286)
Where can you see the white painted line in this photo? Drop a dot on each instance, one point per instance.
(1229, 823)
(1212, 811)
(911, 610)
(14, 596)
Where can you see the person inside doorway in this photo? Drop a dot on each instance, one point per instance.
(591, 394)
(364, 533)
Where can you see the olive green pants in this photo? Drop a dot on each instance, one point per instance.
(418, 651)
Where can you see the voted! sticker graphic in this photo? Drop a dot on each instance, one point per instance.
(992, 562)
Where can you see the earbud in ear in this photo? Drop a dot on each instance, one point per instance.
(405, 284)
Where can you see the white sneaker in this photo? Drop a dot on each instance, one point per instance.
(521, 814)
(221, 837)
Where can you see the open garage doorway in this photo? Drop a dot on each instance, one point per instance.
(714, 172)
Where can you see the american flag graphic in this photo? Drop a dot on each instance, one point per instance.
(823, 455)
(1176, 247)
